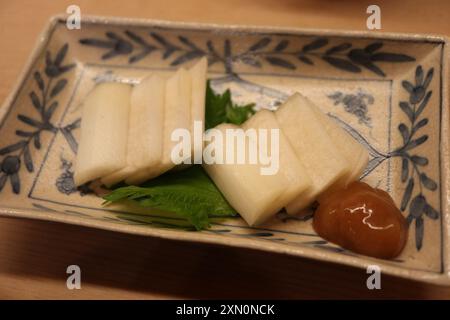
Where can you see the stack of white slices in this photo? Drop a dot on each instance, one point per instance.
(126, 136)
(315, 156)
(126, 130)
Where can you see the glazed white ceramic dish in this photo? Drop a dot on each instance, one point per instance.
(388, 90)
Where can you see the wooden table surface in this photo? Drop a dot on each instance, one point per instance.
(34, 255)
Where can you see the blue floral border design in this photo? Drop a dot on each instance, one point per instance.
(413, 164)
(343, 56)
(44, 100)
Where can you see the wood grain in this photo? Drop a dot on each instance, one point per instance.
(34, 255)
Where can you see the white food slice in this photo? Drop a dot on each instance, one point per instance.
(359, 164)
(253, 195)
(144, 146)
(314, 147)
(198, 77)
(146, 122)
(104, 129)
(177, 115)
(290, 167)
(349, 147)
(118, 176)
(177, 112)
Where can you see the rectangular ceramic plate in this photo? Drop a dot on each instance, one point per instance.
(388, 91)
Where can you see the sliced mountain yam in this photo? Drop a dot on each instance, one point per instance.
(313, 146)
(350, 148)
(118, 176)
(253, 195)
(177, 112)
(177, 115)
(144, 145)
(104, 130)
(290, 167)
(199, 77)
